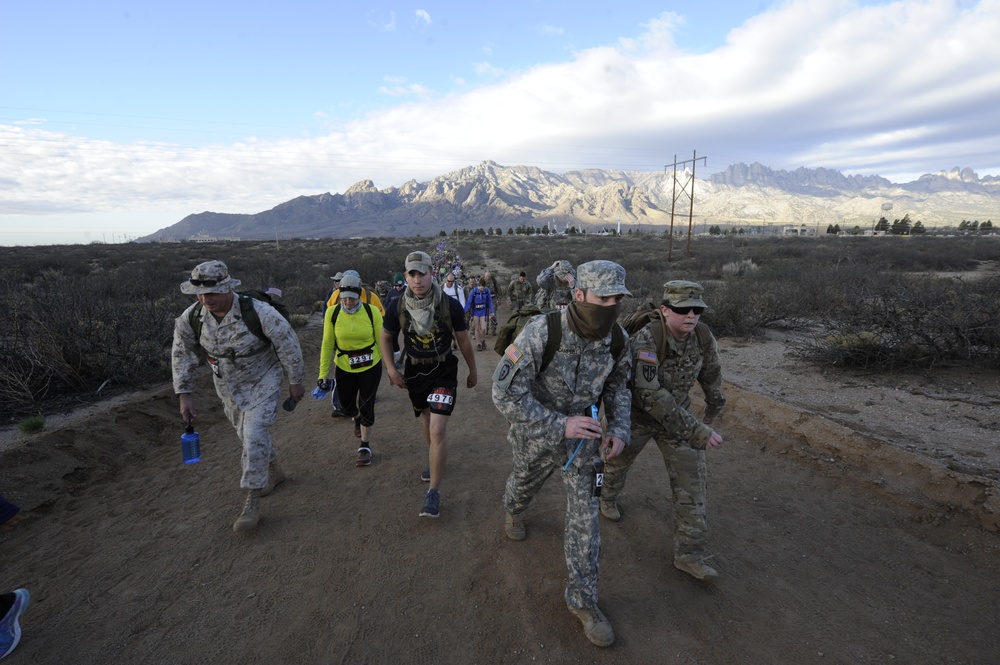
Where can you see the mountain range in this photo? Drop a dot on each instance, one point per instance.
(495, 196)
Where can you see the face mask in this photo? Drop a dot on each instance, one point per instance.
(591, 322)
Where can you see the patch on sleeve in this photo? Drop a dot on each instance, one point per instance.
(513, 353)
(504, 373)
(647, 357)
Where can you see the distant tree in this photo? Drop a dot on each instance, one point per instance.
(918, 228)
(836, 228)
(901, 227)
(510, 231)
(986, 227)
(856, 231)
(443, 233)
(498, 231)
(829, 229)
(545, 230)
(489, 230)
(882, 225)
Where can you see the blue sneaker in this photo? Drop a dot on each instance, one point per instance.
(10, 629)
(432, 504)
(425, 475)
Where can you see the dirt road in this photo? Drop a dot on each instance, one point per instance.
(130, 556)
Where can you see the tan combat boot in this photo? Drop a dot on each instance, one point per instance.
(696, 567)
(513, 526)
(251, 513)
(610, 510)
(596, 626)
(275, 476)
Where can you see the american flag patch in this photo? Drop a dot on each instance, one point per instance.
(647, 356)
(512, 353)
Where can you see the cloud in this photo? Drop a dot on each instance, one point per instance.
(545, 29)
(899, 89)
(423, 16)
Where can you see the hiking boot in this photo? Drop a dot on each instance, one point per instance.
(275, 476)
(696, 568)
(357, 428)
(432, 504)
(425, 475)
(610, 510)
(364, 457)
(251, 513)
(10, 629)
(596, 626)
(513, 526)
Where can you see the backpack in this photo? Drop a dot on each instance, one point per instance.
(250, 317)
(336, 312)
(649, 313)
(365, 297)
(509, 331)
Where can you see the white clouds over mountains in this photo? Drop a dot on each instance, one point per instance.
(898, 89)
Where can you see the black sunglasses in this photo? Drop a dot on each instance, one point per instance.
(686, 310)
(204, 282)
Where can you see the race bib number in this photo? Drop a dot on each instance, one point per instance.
(359, 359)
(441, 397)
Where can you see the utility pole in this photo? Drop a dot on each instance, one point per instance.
(673, 201)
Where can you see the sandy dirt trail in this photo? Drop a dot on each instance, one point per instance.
(130, 556)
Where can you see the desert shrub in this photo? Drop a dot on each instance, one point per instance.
(32, 424)
(894, 320)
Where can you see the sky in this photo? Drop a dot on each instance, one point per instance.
(118, 118)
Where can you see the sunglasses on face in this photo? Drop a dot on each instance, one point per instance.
(687, 310)
(204, 282)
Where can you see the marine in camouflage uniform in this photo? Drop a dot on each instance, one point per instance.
(555, 285)
(247, 372)
(546, 415)
(519, 290)
(661, 410)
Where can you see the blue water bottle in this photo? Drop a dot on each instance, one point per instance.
(190, 445)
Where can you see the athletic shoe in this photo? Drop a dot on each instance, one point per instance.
(357, 428)
(425, 475)
(10, 629)
(432, 504)
(364, 457)
(338, 413)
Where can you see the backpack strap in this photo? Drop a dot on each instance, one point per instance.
(704, 336)
(333, 323)
(443, 312)
(553, 338)
(249, 313)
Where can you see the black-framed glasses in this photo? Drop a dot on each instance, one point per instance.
(686, 310)
(204, 282)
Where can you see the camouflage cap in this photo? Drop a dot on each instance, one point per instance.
(564, 268)
(209, 277)
(419, 261)
(602, 278)
(350, 287)
(681, 293)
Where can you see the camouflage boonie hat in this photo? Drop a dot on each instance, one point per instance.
(602, 278)
(681, 293)
(209, 277)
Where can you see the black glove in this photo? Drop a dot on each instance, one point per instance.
(325, 385)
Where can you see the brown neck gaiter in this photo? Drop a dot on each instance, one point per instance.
(589, 321)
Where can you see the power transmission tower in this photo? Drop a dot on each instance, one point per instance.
(673, 201)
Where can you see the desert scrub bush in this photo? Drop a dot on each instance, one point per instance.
(894, 321)
(32, 424)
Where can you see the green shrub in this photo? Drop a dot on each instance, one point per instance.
(32, 424)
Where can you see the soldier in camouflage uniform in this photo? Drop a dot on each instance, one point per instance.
(661, 410)
(520, 291)
(555, 285)
(247, 373)
(546, 410)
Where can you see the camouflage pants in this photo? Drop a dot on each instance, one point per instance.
(533, 464)
(253, 429)
(688, 484)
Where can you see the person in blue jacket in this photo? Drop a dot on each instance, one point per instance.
(480, 303)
